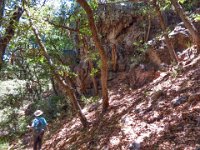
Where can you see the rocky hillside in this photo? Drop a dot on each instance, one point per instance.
(163, 114)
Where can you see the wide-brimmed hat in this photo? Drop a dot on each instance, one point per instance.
(38, 113)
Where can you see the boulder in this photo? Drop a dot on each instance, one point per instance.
(180, 38)
(179, 100)
(158, 52)
(141, 74)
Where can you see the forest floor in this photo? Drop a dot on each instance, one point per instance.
(162, 115)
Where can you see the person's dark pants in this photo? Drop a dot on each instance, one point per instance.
(37, 143)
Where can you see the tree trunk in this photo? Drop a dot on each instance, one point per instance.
(75, 104)
(188, 24)
(104, 66)
(9, 33)
(114, 57)
(164, 28)
(65, 87)
(54, 86)
(148, 30)
(91, 65)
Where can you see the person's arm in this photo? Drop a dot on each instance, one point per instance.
(46, 124)
(32, 125)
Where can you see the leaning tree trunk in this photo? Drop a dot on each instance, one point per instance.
(104, 66)
(9, 33)
(188, 24)
(164, 28)
(66, 88)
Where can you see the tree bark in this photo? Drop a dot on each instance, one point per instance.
(2, 7)
(9, 33)
(104, 66)
(114, 57)
(164, 28)
(148, 30)
(54, 86)
(93, 78)
(188, 24)
(91, 65)
(66, 88)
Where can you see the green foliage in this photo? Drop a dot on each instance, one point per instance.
(181, 1)
(94, 57)
(140, 8)
(53, 107)
(12, 121)
(197, 17)
(4, 144)
(89, 100)
(140, 49)
(94, 71)
(189, 5)
(93, 4)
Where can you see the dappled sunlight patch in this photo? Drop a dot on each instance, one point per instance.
(114, 140)
(166, 145)
(137, 130)
(128, 98)
(62, 133)
(161, 76)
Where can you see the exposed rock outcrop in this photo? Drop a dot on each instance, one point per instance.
(140, 75)
(180, 38)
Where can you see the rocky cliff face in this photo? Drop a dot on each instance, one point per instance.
(134, 38)
(126, 25)
(120, 24)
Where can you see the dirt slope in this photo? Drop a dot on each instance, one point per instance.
(163, 114)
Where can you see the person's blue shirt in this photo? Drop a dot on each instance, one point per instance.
(39, 123)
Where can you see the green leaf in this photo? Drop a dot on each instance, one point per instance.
(197, 17)
(181, 1)
(41, 59)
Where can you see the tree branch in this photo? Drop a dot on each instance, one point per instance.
(64, 27)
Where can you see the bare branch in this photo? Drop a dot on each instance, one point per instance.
(64, 27)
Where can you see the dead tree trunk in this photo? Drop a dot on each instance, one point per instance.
(188, 24)
(164, 28)
(104, 66)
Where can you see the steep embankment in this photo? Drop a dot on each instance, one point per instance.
(163, 114)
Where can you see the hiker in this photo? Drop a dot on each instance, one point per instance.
(38, 126)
